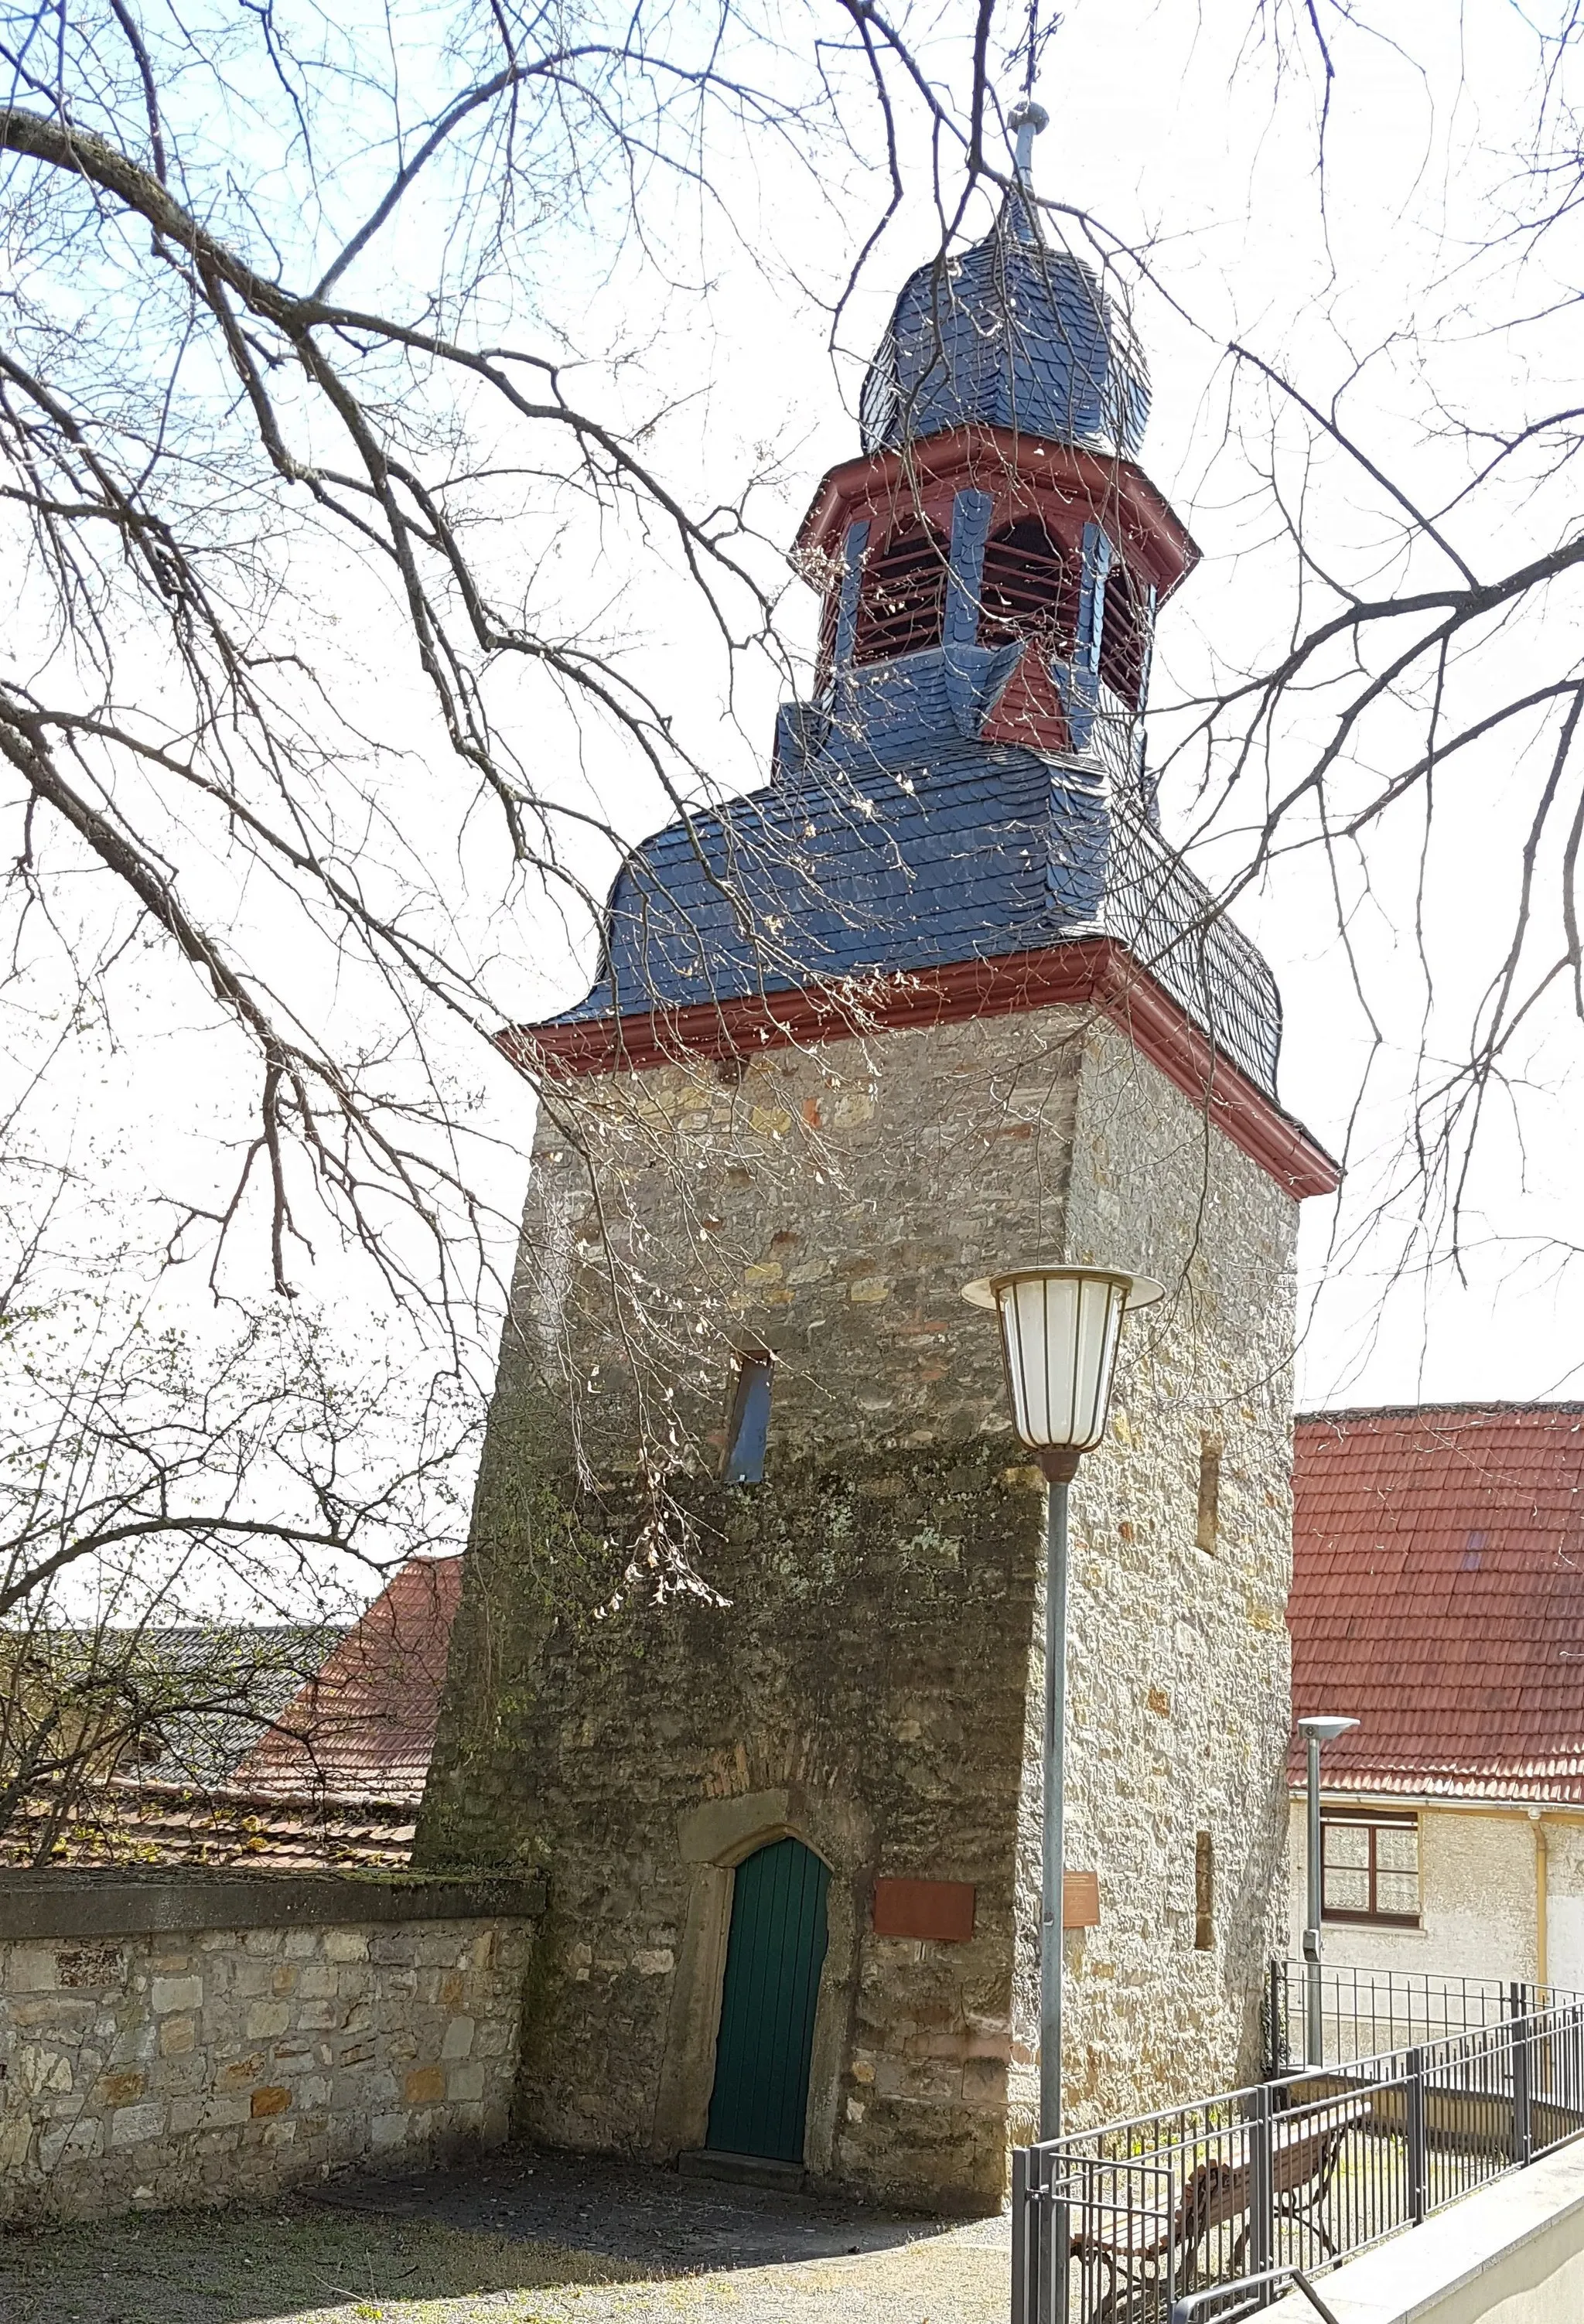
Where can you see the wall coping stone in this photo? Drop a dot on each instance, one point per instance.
(120, 1901)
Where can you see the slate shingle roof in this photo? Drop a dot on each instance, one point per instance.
(1012, 333)
(959, 854)
(1438, 1597)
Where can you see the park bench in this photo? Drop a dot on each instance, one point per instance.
(1146, 2260)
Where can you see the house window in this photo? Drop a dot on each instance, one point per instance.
(902, 597)
(1209, 1495)
(1028, 590)
(749, 1427)
(1203, 1893)
(1369, 1870)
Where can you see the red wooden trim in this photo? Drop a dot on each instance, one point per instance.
(1097, 973)
(941, 1910)
(1021, 473)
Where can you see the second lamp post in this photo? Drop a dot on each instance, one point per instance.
(1060, 1326)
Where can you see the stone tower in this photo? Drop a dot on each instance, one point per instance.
(937, 999)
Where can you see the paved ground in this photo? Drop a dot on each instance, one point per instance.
(525, 2239)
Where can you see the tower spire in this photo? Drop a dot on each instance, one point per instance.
(1025, 121)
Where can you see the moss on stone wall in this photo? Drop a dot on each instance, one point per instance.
(871, 1676)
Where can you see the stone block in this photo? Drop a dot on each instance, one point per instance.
(41, 2070)
(424, 2085)
(984, 2083)
(348, 2137)
(172, 1993)
(316, 1980)
(32, 1969)
(265, 2021)
(131, 2126)
(347, 1944)
(465, 2085)
(268, 2099)
(456, 2041)
(71, 2142)
(177, 2036)
(387, 2131)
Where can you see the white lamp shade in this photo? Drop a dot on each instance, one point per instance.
(1059, 1332)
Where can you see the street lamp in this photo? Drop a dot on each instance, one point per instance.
(1059, 1332)
(1315, 1731)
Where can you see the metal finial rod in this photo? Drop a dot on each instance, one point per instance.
(1025, 121)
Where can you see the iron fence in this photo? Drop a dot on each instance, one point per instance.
(1366, 2013)
(1229, 2195)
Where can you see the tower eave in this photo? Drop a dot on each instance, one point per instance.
(1094, 972)
(1020, 471)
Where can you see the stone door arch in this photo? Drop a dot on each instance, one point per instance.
(713, 1840)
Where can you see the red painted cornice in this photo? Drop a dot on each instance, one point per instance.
(1097, 973)
(1021, 473)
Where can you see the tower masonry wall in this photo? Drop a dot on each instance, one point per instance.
(862, 1667)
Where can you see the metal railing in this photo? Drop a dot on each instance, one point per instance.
(1232, 2194)
(1366, 2013)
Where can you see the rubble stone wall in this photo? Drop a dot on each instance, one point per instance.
(192, 2064)
(866, 1673)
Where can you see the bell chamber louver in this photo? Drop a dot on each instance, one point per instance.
(902, 597)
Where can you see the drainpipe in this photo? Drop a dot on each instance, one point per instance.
(1541, 1901)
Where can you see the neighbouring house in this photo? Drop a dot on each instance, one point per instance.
(1437, 1598)
(362, 1728)
(937, 999)
(286, 1748)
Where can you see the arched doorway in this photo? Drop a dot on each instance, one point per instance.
(774, 1953)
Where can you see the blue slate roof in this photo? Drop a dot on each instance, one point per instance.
(968, 854)
(1013, 334)
(894, 837)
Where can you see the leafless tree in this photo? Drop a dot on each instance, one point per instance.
(186, 1521)
(321, 515)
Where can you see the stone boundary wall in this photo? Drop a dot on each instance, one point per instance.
(184, 2038)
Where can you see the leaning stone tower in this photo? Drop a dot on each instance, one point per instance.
(937, 999)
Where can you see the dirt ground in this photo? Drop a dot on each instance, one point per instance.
(518, 2240)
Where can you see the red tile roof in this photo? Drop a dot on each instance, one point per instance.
(362, 1729)
(131, 1822)
(1438, 1597)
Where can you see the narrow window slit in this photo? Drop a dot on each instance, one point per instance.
(747, 1430)
(1203, 1893)
(1209, 1495)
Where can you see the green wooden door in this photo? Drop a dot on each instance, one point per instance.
(773, 1959)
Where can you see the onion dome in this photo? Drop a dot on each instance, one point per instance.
(1013, 334)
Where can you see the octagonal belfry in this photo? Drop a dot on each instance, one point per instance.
(937, 999)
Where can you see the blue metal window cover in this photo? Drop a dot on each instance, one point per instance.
(748, 1431)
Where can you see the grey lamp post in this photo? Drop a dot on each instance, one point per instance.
(1059, 1332)
(1315, 1731)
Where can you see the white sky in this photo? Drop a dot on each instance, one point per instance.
(1188, 130)
(1184, 130)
